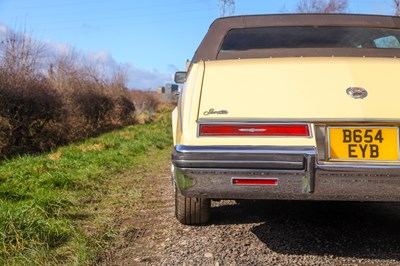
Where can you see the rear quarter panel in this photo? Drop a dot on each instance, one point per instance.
(185, 120)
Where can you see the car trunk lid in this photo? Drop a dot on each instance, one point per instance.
(300, 89)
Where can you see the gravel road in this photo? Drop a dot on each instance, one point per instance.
(261, 233)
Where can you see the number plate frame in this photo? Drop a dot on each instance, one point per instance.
(328, 141)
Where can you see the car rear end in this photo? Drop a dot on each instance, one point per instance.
(312, 127)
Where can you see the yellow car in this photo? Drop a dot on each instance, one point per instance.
(291, 107)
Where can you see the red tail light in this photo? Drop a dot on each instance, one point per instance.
(255, 181)
(291, 130)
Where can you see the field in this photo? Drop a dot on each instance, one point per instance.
(56, 208)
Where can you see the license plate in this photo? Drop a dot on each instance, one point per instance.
(363, 143)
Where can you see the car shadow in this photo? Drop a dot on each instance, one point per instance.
(351, 229)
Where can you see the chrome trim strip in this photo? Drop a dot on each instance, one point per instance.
(328, 143)
(240, 162)
(303, 120)
(334, 166)
(320, 138)
(236, 157)
(237, 171)
(246, 149)
(309, 179)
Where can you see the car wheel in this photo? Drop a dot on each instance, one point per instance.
(191, 211)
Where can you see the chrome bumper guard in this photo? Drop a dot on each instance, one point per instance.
(209, 172)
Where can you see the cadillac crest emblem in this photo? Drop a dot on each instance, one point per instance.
(357, 92)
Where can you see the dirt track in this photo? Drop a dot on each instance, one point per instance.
(258, 233)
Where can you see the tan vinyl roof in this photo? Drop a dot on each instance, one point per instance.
(209, 48)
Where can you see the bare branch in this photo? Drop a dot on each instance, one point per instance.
(396, 4)
(21, 55)
(323, 6)
(226, 7)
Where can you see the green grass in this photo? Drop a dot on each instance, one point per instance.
(49, 204)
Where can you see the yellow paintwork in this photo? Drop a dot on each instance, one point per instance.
(286, 89)
(185, 118)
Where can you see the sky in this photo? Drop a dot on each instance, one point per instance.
(154, 38)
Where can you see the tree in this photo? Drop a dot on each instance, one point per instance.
(226, 7)
(323, 6)
(21, 55)
(396, 4)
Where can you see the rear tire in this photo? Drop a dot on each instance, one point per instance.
(191, 211)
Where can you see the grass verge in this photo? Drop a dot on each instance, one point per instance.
(53, 208)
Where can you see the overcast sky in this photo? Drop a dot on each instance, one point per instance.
(153, 37)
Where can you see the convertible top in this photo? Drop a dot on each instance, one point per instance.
(210, 47)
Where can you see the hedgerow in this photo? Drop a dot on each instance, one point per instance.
(48, 100)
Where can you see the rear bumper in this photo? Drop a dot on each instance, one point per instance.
(208, 172)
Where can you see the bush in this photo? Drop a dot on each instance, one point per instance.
(124, 109)
(45, 103)
(146, 101)
(26, 108)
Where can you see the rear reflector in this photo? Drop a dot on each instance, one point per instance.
(255, 181)
(281, 130)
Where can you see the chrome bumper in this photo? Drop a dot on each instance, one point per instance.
(208, 172)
